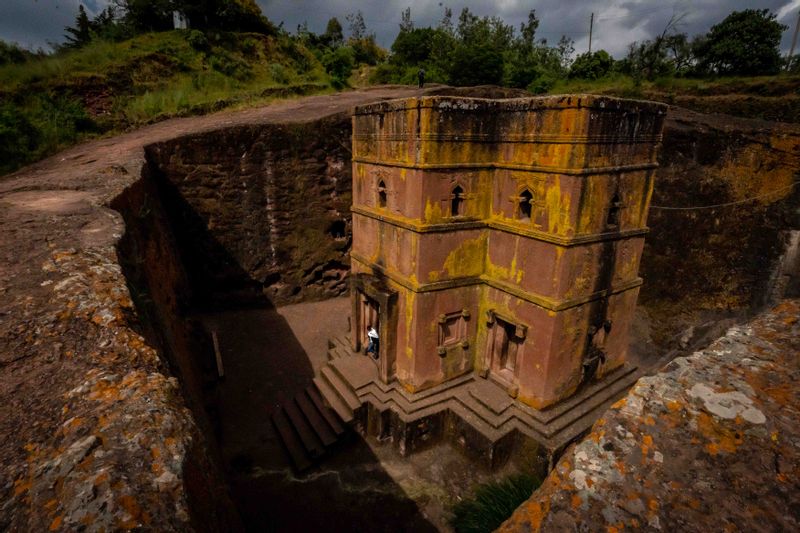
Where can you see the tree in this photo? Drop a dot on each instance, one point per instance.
(745, 43)
(591, 66)
(476, 64)
(225, 15)
(650, 59)
(357, 26)
(406, 24)
(81, 34)
(531, 63)
(333, 35)
(339, 63)
(414, 46)
(680, 53)
(147, 15)
(477, 55)
(107, 26)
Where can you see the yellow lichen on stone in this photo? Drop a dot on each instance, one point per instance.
(468, 259)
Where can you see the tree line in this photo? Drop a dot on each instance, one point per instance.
(462, 50)
(485, 50)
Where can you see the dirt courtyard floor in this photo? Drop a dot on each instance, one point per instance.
(270, 355)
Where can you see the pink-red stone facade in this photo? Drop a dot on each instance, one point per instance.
(501, 237)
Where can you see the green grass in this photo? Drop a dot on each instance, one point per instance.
(55, 101)
(623, 85)
(492, 504)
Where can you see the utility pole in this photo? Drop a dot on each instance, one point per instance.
(794, 41)
(591, 25)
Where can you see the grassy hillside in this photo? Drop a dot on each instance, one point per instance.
(55, 101)
(766, 97)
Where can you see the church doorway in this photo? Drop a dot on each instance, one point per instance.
(505, 341)
(375, 305)
(370, 312)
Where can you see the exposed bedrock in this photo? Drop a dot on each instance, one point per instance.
(701, 262)
(260, 207)
(94, 324)
(710, 443)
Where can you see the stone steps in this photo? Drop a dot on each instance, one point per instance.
(307, 428)
(333, 400)
(589, 414)
(291, 441)
(339, 347)
(550, 415)
(341, 386)
(350, 380)
(333, 420)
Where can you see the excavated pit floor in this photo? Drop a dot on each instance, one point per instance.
(271, 354)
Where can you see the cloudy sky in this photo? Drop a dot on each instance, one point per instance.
(34, 23)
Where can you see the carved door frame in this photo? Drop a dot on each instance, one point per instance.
(508, 378)
(373, 288)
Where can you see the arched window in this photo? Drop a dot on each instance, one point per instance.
(525, 205)
(381, 194)
(457, 202)
(613, 212)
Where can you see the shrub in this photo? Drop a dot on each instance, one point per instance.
(339, 64)
(278, 73)
(492, 504)
(591, 66)
(382, 74)
(543, 83)
(11, 53)
(231, 66)
(365, 50)
(19, 139)
(198, 41)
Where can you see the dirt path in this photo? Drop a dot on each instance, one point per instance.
(84, 166)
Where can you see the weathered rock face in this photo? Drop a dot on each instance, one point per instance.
(90, 417)
(161, 292)
(711, 443)
(723, 258)
(261, 207)
(96, 432)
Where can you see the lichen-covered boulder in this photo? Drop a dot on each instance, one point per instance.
(710, 443)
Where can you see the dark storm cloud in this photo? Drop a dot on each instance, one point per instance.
(618, 22)
(34, 23)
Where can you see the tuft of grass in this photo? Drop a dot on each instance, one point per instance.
(493, 503)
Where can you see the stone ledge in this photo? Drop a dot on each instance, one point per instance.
(710, 443)
(357, 376)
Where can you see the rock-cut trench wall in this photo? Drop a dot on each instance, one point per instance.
(247, 214)
(260, 211)
(713, 260)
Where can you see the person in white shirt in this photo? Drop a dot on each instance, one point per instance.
(372, 347)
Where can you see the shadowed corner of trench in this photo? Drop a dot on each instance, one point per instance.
(242, 368)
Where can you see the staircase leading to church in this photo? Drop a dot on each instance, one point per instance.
(308, 429)
(335, 404)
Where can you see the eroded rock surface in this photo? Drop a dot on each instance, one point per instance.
(700, 261)
(96, 434)
(711, 443)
